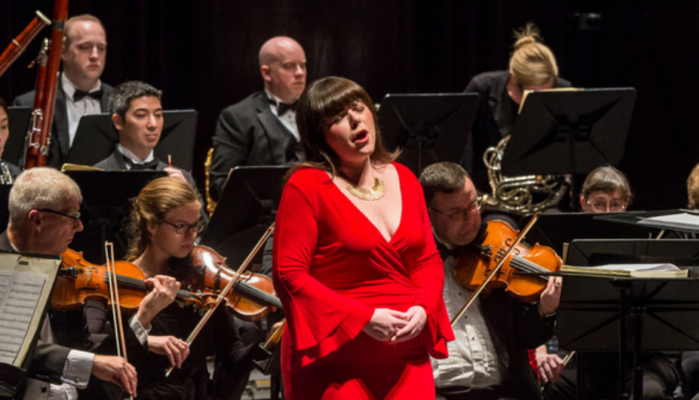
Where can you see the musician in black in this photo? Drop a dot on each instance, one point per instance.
(261, 129)
(532, 67)
(488, 359)
(80, 90)
(8, 171)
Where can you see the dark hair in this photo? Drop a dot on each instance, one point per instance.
(121, 98)
(3, 104)
(153, 204)
(606, 179)
(326, 98)
(442, 177)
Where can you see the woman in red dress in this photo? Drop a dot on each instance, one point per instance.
(355, 263)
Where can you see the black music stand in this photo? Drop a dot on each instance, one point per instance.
(428, 127)
(19, 119)
(569, 132)
(105, 209)
(4, 204)
(247, 207)
(658, 314)
(96, 139)
(554, 229)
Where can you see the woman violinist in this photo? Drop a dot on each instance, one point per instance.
(354, 261)
(489, 358)
(165, 221)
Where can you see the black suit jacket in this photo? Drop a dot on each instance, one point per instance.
(515, 327)
(60, 137)
(247, 133)
(494, 119)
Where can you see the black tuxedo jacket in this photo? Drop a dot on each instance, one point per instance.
(60, 137)
(247, 133)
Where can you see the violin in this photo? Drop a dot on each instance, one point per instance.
(477, 262)
(252, 296)
(79, 280)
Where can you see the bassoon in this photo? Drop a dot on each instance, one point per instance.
(20, 43)
(39, 134)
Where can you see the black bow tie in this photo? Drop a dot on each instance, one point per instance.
(148, 166)
(445, 253)
(282, 108)
(79, 94)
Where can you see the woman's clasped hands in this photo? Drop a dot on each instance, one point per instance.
(395, 326)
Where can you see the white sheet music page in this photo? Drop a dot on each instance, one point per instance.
(25, 287)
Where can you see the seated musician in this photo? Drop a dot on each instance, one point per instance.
(80, 90)
(44, 216)
(532, 67)
(690, 359)
(137, 115)
(606, 189)
(8, 171)
(489, 357)
(165, 221)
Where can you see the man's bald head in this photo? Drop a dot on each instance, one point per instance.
(283, 68)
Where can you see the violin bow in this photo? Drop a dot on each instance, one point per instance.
(495, 270)
(116, 302)
(226, 289)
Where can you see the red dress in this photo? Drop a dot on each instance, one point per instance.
(332, 268)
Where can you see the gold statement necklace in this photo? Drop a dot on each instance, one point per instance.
(370, 194)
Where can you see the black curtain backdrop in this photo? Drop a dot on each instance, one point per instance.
(203, 55)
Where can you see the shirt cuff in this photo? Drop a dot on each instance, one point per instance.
(77, 369)
(138, 329)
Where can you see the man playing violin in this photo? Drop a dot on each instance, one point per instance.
(488, 359)
(44, 212)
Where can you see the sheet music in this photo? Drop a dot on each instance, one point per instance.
(679, 221)
(20, 293)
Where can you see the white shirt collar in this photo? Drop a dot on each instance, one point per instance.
(133, 157)
(69, 88)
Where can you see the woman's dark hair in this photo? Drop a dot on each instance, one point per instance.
(321, 100)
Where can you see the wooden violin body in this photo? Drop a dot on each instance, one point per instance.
(475, 264)
(79, 280)
(252, 297)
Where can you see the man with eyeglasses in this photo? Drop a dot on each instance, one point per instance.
(44, 212)
(488, 359)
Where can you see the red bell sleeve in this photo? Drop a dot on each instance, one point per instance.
(320, 320)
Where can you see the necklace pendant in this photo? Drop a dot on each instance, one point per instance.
(373, 193)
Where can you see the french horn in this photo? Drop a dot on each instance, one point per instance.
(525, 194)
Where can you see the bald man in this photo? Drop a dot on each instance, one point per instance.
(80, 90)
(261, 129)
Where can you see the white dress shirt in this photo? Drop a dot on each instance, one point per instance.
(473, 361)
(76, 109)
(288, 119)
(133, 157)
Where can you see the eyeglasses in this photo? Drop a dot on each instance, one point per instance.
(602, 206)
(461, 215)
(184, 229)
(75, 218)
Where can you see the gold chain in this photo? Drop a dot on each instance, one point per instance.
(371, 194)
